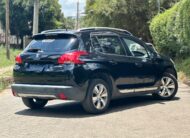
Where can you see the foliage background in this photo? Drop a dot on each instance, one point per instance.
(21, 15)
(133, 15)
(171, 31)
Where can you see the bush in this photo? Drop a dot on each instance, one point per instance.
(171, 30)
(184, 66)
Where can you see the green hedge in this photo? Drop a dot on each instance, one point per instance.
(171, 30)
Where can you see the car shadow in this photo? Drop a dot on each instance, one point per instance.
(75, 110)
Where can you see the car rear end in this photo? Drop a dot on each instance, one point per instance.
(50, 68)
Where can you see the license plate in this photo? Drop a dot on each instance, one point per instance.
(37, 68)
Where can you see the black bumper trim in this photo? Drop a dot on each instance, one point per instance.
(47, 91)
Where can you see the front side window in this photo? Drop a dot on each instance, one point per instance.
(135, 48)
(107, 44)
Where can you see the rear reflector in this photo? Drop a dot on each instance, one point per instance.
(14, 93)
(62, 96)
(72, 57)
(18, 59)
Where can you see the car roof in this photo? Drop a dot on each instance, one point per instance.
(82, 30)
(115, 30)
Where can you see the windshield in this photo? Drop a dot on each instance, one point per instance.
(52, 45)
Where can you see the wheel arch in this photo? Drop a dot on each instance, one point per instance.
(171, 70)
(104, 75)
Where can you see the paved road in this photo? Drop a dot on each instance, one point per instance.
(130, 117)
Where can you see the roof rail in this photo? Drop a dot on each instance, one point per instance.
(103, 33)
(54, 30)
(106, 28)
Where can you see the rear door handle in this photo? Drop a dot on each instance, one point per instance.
(138, 64)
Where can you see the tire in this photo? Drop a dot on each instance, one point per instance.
(98, 97)
(168, 87)
(34, 103)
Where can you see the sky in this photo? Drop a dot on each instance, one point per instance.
(69, 7)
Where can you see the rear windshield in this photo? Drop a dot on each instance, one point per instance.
(52, 45)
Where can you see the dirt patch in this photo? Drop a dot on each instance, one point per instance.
(4, 82)
(183, 78)
(187, 82)
(4, 70)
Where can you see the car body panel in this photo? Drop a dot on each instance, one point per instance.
(126, 72)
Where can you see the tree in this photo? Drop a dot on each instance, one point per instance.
(70, 23)
(133, 15)
(21, 15)
(51, 16)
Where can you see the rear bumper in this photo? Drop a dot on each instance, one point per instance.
(48, 92)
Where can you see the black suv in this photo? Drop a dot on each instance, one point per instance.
(92, 66)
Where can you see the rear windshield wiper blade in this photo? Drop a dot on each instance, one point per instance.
(34, 50)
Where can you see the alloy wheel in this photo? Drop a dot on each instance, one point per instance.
(100, 96)
(167, 87)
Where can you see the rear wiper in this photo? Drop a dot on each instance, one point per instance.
(34, 50)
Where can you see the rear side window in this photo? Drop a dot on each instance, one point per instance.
(108, 44)
(52, 45)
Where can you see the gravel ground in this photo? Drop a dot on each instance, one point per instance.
(137, 117)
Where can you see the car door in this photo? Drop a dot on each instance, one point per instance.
(145, 73)
(119, 60)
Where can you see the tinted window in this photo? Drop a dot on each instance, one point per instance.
(135, 48)
(53, 45)
(107, 44)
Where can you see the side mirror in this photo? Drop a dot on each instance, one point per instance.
(157, 58)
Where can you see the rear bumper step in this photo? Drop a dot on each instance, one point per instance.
(48, 92)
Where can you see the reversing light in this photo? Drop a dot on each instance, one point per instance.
(18, 59)
(72, 57)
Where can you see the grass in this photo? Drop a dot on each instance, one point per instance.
(6, 74)
(183, 67)
(4, 62)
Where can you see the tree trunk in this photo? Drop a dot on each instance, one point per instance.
(22, 40)
(17, 40)
(7, 32)
(36, 17)
(78, 16)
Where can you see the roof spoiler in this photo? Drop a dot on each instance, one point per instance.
(54, 30)
(53, 35)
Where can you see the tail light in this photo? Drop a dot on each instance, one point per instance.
(72, 57)
(18, 59)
